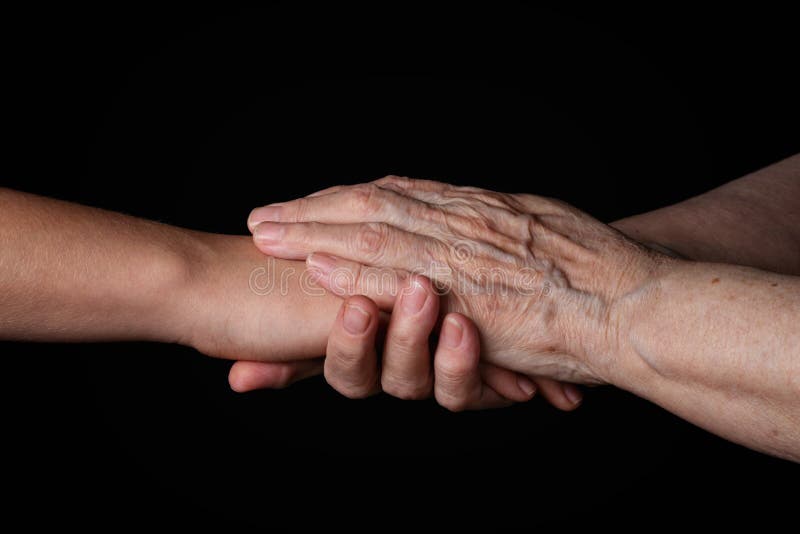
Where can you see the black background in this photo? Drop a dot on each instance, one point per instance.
(193, 117)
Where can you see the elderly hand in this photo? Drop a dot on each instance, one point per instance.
(540, 278)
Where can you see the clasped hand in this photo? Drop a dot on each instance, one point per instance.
(529, 289)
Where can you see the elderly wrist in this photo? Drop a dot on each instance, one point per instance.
(629, 367)
(600, 325)
(589, 334)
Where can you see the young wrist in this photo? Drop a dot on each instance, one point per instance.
(235, 302)
(178, 307)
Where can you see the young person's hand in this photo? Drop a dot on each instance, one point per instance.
(74, 273)
(361, 362)
(241, 305)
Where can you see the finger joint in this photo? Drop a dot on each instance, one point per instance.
(370, 241)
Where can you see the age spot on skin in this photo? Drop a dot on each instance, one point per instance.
(715, 281)
(774, 284)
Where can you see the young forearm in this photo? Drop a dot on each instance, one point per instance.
(752, 221)
(75, 273)
(71, 272)
(719, 345)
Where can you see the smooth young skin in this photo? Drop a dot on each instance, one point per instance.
(716, 344)
(74, 273)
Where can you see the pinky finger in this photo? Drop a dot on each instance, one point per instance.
(248, 376)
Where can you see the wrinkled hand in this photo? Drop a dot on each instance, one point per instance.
(539, 277)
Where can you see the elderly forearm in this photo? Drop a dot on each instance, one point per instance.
(719, 345)
(752, 221)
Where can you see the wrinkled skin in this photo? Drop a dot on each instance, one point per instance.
(540, 278)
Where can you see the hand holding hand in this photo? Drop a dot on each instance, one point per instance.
(405, 369)
(224, 315)
(540, 279)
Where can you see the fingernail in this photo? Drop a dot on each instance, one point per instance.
(415, 298)
(452, 333)
(356, 320)
(573, 394)
(528, 387)
(269, 232)
(264, 213)
(321, 262)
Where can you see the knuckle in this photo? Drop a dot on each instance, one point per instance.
(344, 360)
(428, 212)
(407, 342)
(393, 179)
(406, 389)
(296, 211)
(454, 372)
(454, 403)
(348, 378)
(366, 198)
(352, 389)
(371, 239)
